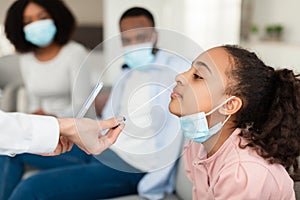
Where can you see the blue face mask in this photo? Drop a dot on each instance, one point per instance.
(40, 33)
(139, 56)
(195, 126)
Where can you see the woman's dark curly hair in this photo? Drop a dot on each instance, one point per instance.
(270, 114)
(61, 15)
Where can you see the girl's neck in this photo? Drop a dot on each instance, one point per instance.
(215, 142)
(47, 53)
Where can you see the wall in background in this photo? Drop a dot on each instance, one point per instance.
(4, 5)
(213, 22)
(278, 11)
(87, 12)
(209, 23)
(283, 53)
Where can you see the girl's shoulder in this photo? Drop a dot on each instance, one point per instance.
(246, 164)
(256, 175)
(249, 171)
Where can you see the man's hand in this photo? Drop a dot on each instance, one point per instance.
(86, 133)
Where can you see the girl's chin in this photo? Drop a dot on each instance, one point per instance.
(174, 110)
(176, 114)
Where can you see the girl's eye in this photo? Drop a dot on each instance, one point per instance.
(196, 76)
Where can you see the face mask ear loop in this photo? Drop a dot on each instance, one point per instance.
(219, 106)
(153, 41)
(227, 118)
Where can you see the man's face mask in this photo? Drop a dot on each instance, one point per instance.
(139, 56)
(195, 126)
(40, 33)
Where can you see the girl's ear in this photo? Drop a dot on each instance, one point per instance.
(232, 106)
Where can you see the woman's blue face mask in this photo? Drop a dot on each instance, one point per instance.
(40, 33)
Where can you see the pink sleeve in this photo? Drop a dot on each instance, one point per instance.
(253, 181)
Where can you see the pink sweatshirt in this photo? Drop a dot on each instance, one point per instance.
(236, 174)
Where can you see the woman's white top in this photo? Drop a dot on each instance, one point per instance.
(55, 85)
(22, 133)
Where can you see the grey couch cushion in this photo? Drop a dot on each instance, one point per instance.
(10, 81)
(183, 185)
(9, 96)
(9, 69)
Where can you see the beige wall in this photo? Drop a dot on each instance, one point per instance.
(87, 11)
(4, 5)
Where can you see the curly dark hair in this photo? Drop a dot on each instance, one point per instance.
(270, 114)
(62, 16)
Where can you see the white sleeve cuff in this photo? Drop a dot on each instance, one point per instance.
(45, 134)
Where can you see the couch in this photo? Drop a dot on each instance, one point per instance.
(10, 82)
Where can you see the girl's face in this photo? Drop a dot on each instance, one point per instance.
(34, 12)
(201, 88)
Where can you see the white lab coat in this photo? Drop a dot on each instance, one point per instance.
(20, 133)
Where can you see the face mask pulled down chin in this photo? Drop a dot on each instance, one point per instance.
(195, 126)
(139, 56)
(40, 33)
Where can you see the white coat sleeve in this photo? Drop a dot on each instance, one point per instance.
(22, 133)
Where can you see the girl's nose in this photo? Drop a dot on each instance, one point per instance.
(180, 79)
